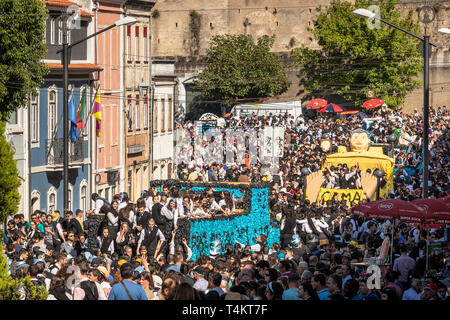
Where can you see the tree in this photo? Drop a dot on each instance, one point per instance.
(22, 25)
(9, 178)
(356, 56)
(18, 289)
(240, 68)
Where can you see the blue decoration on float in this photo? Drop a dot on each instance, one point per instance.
(244, 228)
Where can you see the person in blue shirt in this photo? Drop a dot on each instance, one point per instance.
(365, 292)
(127, 289)
(318, 283)
(292, 292)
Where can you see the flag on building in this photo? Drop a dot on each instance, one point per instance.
(73, 119)
(80, 110)
(97, 113)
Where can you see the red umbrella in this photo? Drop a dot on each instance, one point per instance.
(331, 108)
(395, 208)
(372, 103)
(445, 199)
(361, 210)
(316, 104)
(436, 211)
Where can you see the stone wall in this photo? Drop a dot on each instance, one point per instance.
(180, 22)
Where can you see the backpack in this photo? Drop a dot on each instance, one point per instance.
(90, 290)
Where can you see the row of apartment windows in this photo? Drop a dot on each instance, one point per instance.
(52, 198)
(134, 112)
(137, 55)
(52, 122)
(162, 114)
(56, 32)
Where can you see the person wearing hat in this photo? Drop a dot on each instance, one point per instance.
(430, 292)
(201, 284)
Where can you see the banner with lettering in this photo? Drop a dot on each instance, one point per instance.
(352, 196)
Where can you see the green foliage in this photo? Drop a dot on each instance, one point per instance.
(354, 58)
(240, 68)
(155, 14)
(17, 289)
(9, 178)
(22, 25)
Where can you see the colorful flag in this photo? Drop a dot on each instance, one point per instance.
(73, 119)
(97, 112)
(80, 111)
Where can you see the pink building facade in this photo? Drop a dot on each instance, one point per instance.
(108, 173)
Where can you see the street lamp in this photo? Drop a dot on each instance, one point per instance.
(65, 60)
(364, 13)
(379, 174)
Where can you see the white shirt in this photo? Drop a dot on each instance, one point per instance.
(122, 205)
(78, 293)
(98, 205)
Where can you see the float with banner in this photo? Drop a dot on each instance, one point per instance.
(249, 221)
(361, 154)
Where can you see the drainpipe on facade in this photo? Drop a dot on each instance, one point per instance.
(30, 207)
(150, 168)
(124, 111)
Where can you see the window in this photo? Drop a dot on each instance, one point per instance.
(13, 117)
(51, 199)
(170, 115)
(155, 117)
(52, 111)
(145, 111)
(60, 32)
(145, 40)
(137, 57)
(70, 197)
(34, 114)
(35, 200)
(163, 115)
(130, 113)
(52, 31)
(137, 113)
(129, 43)
(107, 195)
(130, 173)
(83, 196)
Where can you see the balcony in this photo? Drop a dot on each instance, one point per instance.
(54, 151)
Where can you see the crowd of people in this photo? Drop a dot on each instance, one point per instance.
(320, 252)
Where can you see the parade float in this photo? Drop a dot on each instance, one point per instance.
(361, 154)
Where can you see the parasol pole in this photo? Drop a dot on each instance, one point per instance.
(428, 236)
(392, 244)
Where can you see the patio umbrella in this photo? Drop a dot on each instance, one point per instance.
(372, 103)
(445, 199)
(316, 104)
(396, 209)
(362, 209)
(331, 108)
(437, 212)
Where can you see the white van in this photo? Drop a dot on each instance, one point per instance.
(276, 108)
